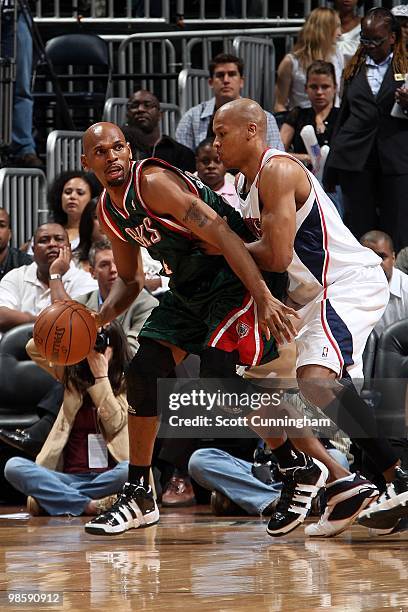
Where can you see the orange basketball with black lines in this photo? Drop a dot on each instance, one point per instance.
(65, 332)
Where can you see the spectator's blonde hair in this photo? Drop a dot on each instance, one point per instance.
(316, 38)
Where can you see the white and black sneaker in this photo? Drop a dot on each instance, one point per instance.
(300, 485)
(391, 506)
(134, 508)
(345, 498)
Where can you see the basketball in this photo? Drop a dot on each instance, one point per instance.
(65, 332)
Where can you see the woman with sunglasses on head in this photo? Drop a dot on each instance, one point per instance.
(369, 152)
(84, 460)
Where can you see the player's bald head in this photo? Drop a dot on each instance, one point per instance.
(98, 132)
(242, 112)
(106, 154)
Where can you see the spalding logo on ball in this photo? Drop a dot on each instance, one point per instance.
(65, 332)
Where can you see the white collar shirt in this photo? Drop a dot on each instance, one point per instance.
(376, 73)
(20, 289)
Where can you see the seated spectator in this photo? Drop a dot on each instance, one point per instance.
(142, 131)
(103, 270)
(235, 486)
(402, 260)
(316, 41)
(89, 232)
(226, 80)
(10, 257)
(67, 197)
(397, 307)
(212, 172)
(321, 92)
(25, 291)
(85, 456)
(322, 115)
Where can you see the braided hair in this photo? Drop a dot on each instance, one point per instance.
(399, 60)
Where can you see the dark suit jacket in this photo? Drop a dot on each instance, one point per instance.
(365, 123)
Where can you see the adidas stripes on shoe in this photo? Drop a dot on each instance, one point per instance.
(300, 485)
(134, 508)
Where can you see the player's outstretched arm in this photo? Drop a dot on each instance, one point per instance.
(277, 190)
(129, 283)
(165, 194)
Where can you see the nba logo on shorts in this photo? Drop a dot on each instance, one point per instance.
(242, 329)
(325, 350)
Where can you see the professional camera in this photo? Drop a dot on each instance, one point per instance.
(102, 341)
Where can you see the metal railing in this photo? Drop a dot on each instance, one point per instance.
(193, 88)
(204, 44)
(97, 12)
(102, 10)
(259, 57)
(23, 193)
(64, 150)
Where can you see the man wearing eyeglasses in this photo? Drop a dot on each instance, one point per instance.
(142, 131)
(226, 80)
(369, 149)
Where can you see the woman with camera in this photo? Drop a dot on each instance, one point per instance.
(84, 459)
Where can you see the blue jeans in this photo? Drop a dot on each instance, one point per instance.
(22, 138)
(59, 493)
(216, 470)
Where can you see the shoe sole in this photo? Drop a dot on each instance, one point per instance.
(292, 526)
(99, 530)
(365, 502)
(392, 510)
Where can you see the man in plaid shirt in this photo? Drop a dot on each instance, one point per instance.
(226, 80)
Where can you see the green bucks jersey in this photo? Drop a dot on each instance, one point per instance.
(166, 239)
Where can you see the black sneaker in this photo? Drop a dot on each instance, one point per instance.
(134, 508)
(391, 506)
(299, 486)
(345, 499)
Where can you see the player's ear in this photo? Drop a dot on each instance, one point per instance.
(130, 151)
(84, 162)
(251, 130)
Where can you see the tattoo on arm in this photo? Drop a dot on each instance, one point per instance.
(194, 215)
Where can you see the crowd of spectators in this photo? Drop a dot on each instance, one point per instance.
(343, 77)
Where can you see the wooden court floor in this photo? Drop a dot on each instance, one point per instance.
(193, 561)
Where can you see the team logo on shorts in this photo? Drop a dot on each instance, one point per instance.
(325, 351)
(242, 329)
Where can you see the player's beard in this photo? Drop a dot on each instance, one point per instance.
(117, 182)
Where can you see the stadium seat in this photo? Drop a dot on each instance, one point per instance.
(23, 383)
(82, 68)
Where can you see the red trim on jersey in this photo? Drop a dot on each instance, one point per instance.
(106, 219)
(330, 336)
(260, 167)
(175, 226)
(228, 334)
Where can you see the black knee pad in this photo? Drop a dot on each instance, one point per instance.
(218, 364)
(152, 361)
